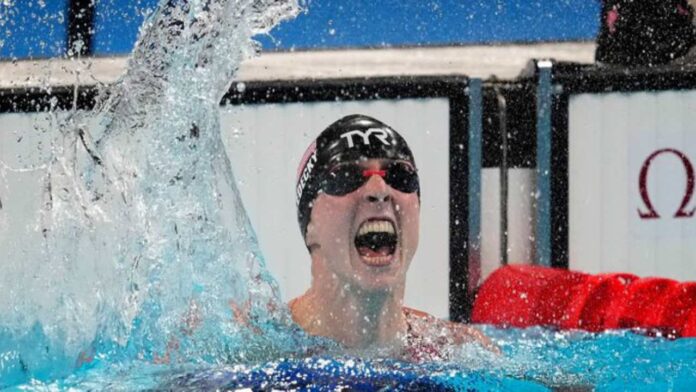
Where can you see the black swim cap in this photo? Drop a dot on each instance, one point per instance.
(352, 138)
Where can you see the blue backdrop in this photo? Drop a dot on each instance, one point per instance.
(37, 28)
(33, 28)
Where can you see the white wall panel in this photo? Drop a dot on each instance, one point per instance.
(520, 214)
(610, 138)
(490, 221)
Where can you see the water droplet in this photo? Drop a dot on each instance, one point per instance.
(237, 133)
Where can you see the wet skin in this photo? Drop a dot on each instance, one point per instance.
(334, 224)
(353, 299)
(357, 300)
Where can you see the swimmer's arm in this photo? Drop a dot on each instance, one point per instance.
(464, 333)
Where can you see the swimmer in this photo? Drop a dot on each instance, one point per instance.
(358, 200)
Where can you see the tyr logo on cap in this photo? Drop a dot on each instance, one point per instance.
(381, 134)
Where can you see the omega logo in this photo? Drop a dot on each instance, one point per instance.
(682, 211)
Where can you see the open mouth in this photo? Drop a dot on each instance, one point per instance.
(376, 242)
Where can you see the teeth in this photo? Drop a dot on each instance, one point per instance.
(377, 260)
(381, 226)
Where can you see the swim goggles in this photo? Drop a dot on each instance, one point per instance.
(345, 178)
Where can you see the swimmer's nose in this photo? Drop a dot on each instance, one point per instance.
(376, 190)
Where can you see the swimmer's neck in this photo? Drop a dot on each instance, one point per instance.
(353, 317)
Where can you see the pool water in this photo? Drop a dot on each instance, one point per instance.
(533, 359)
(143, 271)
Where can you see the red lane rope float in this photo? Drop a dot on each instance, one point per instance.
(646, 299)
(598, 304)
(688, 329)
(512, 294)
(558, 296)
(680, 304)
(526, 295)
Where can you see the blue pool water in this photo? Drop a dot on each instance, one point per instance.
(142, 270)
(534, 359)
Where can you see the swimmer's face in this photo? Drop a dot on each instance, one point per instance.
(367, 238)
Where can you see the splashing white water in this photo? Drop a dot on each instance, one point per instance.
(142, 240)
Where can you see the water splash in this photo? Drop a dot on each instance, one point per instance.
(535, 359)
(142, 247)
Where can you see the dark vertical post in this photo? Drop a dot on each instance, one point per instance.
(559, 181)
(544, 98)
(474, 188)
(459, 300)
(80, 27)
(504, 148)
